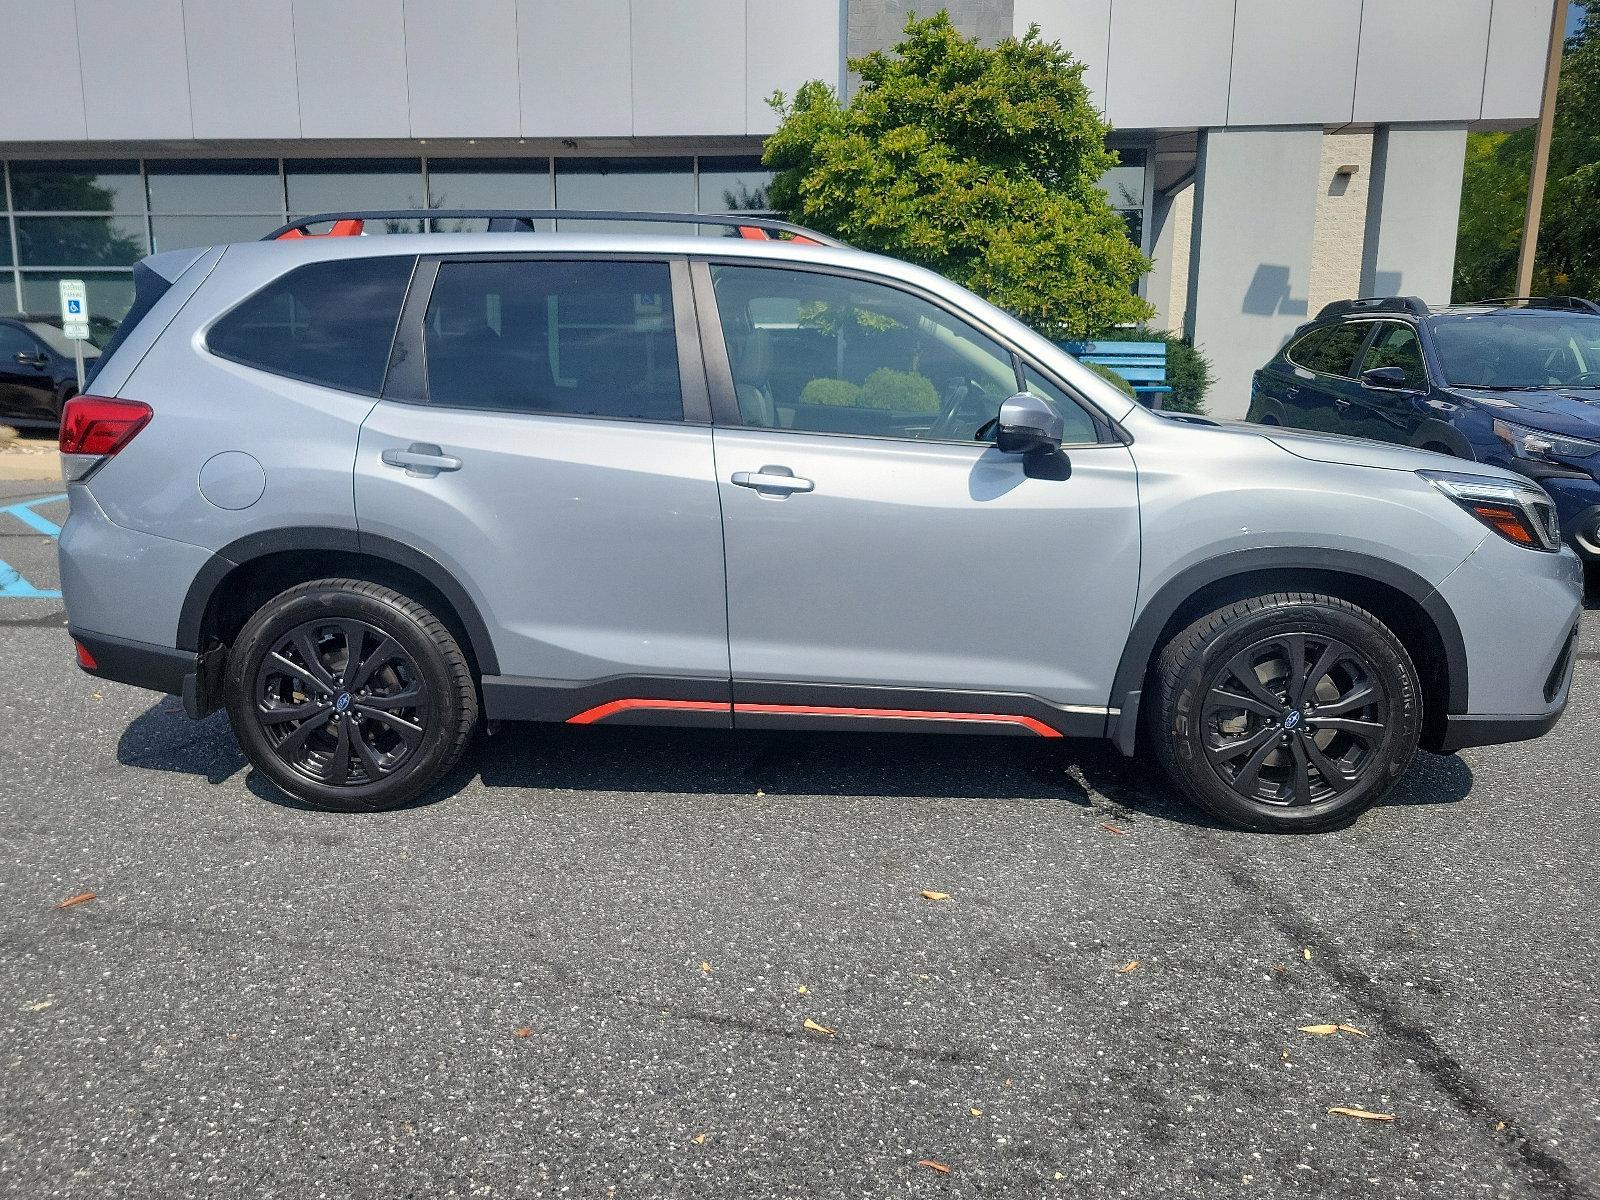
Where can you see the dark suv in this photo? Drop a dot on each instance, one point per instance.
(38, 373)
(1514, 382)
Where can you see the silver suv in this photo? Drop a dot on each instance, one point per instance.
(366, 492)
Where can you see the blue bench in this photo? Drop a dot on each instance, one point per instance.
(1142, 364)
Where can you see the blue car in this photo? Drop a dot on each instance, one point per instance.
(1514, 382)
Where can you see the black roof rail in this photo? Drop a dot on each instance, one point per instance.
(1563, 303)
(1413, 305)
(347, 224)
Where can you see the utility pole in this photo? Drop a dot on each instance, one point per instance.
(1541, 150)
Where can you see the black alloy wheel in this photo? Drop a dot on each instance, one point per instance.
(1294, 719)
(341, 702)
(349, 695)
(1287, 711)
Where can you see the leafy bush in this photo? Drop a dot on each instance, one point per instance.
(980, 162)
(838, 393)
(7, 436)
(901, 391)
(1113, 377)
(1188, 370)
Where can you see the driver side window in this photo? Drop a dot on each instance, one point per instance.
(830, 354)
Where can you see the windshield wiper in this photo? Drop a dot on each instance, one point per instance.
(1513, 387)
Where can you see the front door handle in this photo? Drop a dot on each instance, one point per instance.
(774, 481)
(1341, 403)
(421, 460)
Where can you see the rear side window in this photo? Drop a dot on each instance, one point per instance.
(592, 339)
(1329, 351)
(148, 287)
(330, 323)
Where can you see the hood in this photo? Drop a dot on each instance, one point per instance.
(1572, 411)
(1358, 452)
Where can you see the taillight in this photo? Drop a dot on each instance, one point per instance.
(97, 426)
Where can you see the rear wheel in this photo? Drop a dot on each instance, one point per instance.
(349, 696)
(1291, 711)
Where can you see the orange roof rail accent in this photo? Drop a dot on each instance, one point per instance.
(349, 228)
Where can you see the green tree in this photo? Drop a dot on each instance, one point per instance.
(1494, 189)
(981, 163)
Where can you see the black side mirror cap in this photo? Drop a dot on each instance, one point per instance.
(1388, 379)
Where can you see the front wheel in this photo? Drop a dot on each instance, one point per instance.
(1285, 712)
(349, 696)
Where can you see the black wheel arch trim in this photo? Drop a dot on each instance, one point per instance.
(1433, 431)
(191, 617)
(1144, 639)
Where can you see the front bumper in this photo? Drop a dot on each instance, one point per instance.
(1519, 612)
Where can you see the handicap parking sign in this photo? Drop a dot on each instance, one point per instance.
(74, 309)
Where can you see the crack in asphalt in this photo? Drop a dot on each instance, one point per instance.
(1547, 1173)
(1550, 1174)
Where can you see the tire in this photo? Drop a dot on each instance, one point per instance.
(294, 703)
(1235, 749)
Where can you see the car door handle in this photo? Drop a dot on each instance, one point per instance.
(1340, 402)
(772, 479)
(421, 460)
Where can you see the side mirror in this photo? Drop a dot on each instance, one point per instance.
(1387, 379)
(1028, 425)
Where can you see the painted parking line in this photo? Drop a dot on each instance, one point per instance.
(12, 585)
(24, 513)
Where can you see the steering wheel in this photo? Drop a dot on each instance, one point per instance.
(964, 404)
(1585, 379)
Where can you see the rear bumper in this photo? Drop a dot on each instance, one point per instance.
(158, 668)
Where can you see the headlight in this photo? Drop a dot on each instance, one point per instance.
(1519, 512)
(1534, 443)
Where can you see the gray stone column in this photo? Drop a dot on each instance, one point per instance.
(1413, 210)
(1250, 256)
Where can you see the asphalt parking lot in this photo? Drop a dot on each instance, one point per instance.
(586, 967)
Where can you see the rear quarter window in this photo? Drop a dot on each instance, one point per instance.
(1330, 350)
(330, 323)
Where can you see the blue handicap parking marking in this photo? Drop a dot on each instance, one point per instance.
(12, 585)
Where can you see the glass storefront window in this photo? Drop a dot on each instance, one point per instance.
(488, 183)
(342, 184)
(626, 185)
(87, 185)
(110, 296)
(186, 186)
(179, 233)
(733, 185)
(81, 241)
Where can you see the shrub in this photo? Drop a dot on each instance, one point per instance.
(838, 393)
(901, 391)
(7, 436)
(980, 162)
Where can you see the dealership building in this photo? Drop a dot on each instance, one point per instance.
(1276, 154)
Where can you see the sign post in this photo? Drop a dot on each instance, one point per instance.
(75, 319)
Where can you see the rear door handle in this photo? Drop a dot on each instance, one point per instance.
(421, 460)
(1340, 403)
(778, 481)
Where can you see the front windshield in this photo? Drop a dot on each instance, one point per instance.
(1519, 349)
(52, 336)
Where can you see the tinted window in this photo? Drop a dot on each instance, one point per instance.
(1396, 346)
(329, 323)
(13, 342)
(1329, 351)
(588, 339)
(830, 354)
(1519, 348)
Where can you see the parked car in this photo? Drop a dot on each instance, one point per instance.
(38, 372)
(1513, 382)
(365, 492)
